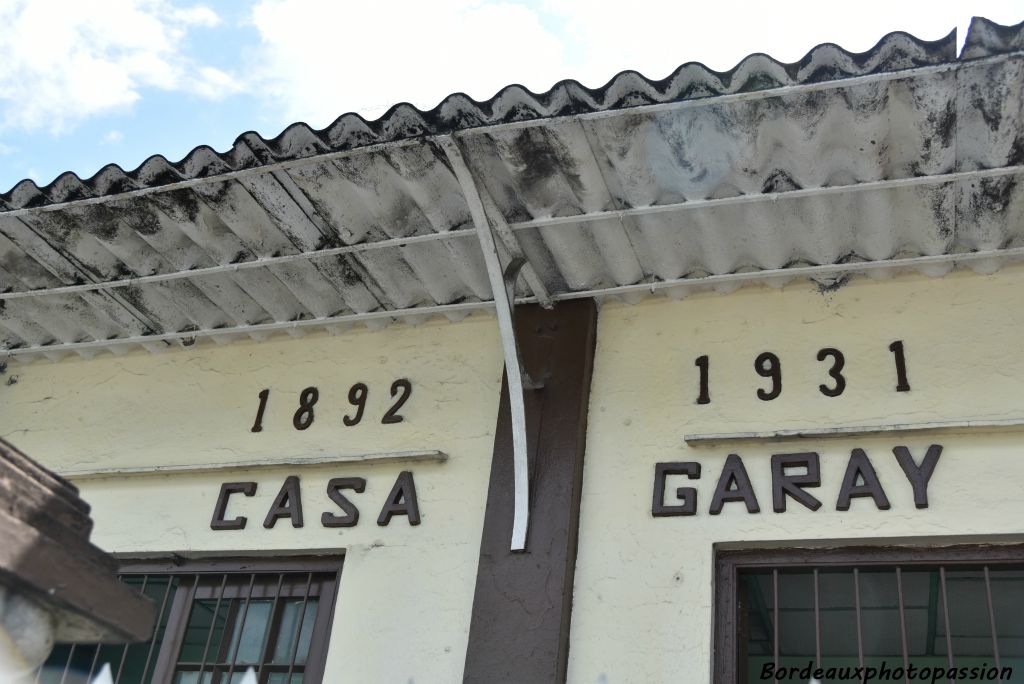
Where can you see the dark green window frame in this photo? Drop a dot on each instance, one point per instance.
(747, 578)
(216, 618)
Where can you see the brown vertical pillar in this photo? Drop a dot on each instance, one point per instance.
(523, 602)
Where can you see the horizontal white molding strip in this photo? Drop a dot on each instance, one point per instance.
(786, 274)
(383, 457)
(423, 312)
(710, 438)
(576, 220)
(262, 262)
(772, 197)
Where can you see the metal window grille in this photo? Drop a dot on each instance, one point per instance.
(214, 623)
(960, 607)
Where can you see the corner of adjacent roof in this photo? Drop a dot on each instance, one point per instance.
(986, 38)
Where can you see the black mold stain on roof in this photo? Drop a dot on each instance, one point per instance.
(895, 52)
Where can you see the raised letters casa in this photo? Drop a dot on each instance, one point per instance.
(288, 503)
(792, 474)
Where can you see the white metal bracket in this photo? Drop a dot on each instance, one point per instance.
(502, 280)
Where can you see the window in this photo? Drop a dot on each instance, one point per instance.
(216, 619)
(958, 611)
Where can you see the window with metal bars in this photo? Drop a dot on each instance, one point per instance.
(216, 620)
(958, 611)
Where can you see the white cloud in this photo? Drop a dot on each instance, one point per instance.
(62, 61)
(112, 137)
(322, 58)
(214, 83)
(66, 60)
(654, 37)
(196, 16)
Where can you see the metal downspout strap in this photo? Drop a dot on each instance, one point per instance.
(502, 281)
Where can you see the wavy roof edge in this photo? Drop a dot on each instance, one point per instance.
(896, 51)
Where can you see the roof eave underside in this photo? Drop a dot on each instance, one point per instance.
(901, 157)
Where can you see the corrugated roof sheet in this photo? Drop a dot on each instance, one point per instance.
(831, 165)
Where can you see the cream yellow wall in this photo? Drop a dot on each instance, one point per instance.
(406, 592)
(642, 608)
(643, 600)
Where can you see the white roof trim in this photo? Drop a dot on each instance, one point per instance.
(552, 221)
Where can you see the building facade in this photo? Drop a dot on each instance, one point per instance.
(749, 409)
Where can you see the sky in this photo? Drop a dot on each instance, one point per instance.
(84, 83)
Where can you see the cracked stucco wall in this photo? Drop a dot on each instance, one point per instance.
(406, 593)
(643, 599)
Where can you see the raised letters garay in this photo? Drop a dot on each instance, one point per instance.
(792, 475)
